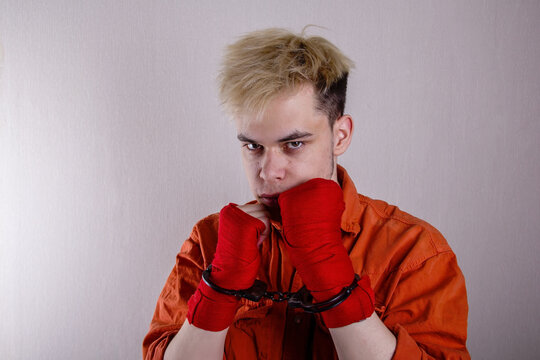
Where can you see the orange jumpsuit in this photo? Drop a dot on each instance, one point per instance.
(419, 289)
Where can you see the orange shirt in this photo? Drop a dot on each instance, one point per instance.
(419, 289)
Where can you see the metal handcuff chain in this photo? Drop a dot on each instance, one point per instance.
(301, 299)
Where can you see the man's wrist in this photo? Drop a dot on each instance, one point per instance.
(358, 306)
(211, 310)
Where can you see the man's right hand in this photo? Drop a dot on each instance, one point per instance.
(258, 211)
(235, 265)
(236, 261)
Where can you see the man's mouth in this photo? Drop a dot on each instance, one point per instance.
(270, 200)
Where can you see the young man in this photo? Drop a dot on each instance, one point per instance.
(385, 284)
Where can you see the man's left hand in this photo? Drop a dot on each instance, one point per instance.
(311, 217)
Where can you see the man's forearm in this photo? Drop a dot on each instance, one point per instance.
(236, 262)
(367, 339)
(194, 343)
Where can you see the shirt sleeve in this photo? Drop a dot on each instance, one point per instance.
(171, 308)
(428, 311)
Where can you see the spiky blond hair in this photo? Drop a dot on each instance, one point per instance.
(264, 63)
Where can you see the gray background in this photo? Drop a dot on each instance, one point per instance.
(112, 145)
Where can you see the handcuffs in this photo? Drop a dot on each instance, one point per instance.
(301, 299)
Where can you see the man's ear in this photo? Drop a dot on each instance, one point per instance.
(343, 130)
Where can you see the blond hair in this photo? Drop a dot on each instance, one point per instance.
(263, 63)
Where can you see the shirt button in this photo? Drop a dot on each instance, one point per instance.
(297, 319)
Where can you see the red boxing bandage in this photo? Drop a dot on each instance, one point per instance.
(311, 216)
(234, 267)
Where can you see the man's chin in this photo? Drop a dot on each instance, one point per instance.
(269, 202)
(273, 208)
(275, 214)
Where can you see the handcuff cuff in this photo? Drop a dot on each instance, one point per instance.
(301, 299)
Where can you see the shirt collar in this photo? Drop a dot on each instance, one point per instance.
(350, 220)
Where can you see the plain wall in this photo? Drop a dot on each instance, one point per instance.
(113, 144)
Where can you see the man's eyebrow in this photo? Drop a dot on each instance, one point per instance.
(292, 136)
(295, 135)
(244, 138)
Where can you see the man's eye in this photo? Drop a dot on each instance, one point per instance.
(293, 145)
(253, 147)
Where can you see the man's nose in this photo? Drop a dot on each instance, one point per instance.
(273, 166)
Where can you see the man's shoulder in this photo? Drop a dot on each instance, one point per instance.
(399, 239)
(206, 228)
(385, 222)
(201, 244)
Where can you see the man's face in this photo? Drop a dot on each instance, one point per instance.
(291, 144)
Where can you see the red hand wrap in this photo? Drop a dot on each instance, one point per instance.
(311, 216)
(234, 267)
